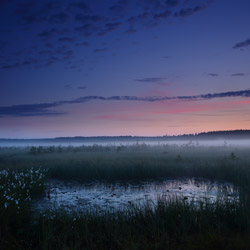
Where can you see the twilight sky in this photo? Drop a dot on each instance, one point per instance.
(124, 67)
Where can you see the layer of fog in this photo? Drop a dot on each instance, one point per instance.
(191, 143)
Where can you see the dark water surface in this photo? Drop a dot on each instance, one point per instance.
(101, 196)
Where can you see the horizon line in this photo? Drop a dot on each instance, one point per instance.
(131, 136)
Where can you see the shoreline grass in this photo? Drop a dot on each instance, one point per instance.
(172, 225)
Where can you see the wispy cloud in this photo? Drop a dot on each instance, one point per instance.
(163, 15)
(49, 33)
(100, 50)
(82, 87)
(60, 18)
(109, 27)
(66, 39)
(79, 5)
(172, 3)
(116, 8)
(213, 74)
(88, 18)
(188, 11)
(82, 44)
(242, 44)
(150, 79)
(43, 109)
(238, 74)
(50, 20)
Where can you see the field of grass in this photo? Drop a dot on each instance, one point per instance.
(175, 224)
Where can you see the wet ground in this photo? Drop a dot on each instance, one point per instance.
(101, 196)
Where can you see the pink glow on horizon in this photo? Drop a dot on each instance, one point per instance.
(135, 118)
(142, 110)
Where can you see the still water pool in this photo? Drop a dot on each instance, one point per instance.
(101, 196)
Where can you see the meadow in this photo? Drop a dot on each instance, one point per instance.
(174, 223)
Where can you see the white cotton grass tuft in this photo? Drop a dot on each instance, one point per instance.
(18, 186)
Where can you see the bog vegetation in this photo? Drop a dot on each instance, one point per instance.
(169, 224)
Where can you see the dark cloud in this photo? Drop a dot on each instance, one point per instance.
(87, 29)
(52, 21)
(150, 79)
(100, 50)
(238, 74)
(213, 74)
(45, 52)
(64, 51)
(42, 58)
(82, 44)
(31, 19)
(163, 15)
(116, 8)
(59, 18)
(53, 5)
(48, 45)
(88, 18)
(152, 4)
(80, 5)
(82, 87)
(135, 19)
(50, 62)
(11, 66)
(48, 33)
(66, 39)
(130, 30)
(24, 8)
(29, 62)
(53, 32)
(172, 3)
(188, 11)
(110, 27)
(154, 11)
(43, 109)
(242, 44)
(43, 16)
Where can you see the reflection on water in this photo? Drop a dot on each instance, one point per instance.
(99, 195)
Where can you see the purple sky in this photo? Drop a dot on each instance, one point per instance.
(142, 67)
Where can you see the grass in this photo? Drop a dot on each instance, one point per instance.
(17, 189)
(174, 224)
(171, 225)
(134, 162)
